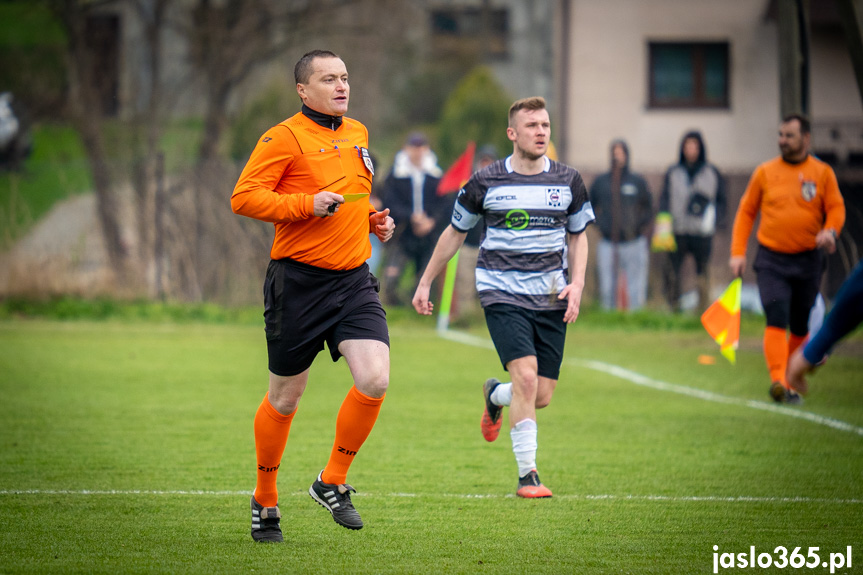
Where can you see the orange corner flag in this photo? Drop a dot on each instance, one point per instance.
(459, 173)
(722, 320)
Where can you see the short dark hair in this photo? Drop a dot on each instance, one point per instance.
(532, 103)
(303, 69)
(805, 126)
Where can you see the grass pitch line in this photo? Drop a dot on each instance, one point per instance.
(642, 380)
(584, 497)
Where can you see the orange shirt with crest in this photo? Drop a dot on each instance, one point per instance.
(291, 163)
(796, 201)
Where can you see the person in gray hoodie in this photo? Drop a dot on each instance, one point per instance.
(694, 195)
(624, 212)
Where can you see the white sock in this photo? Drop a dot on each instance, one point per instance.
(502, 394)
(524, 445)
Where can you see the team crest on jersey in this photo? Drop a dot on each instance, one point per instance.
(808, 190)
(552, 197)
(367, 160)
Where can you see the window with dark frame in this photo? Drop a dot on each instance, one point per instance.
(688, 75)
(468, 26)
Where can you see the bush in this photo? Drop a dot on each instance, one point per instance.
(260, 115)
(475, 111)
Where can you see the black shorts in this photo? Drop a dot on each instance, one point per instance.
(520, 332)
(304, 306)
(788, 285)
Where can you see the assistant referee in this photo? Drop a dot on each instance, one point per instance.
(802, 213)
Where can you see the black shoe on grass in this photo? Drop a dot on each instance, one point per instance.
(265, 523)
(337, 500)
(777, 392)
(792, 397)
(781, 394)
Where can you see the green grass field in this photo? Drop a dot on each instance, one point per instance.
(126, 447)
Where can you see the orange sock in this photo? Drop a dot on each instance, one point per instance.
(356, 419)
(795, 341)
(271, 436)
(776, 353)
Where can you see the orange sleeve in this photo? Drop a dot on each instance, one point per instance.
(746, 213)
(255, 194)
(834, 205)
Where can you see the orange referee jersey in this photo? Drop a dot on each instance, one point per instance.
(796, 202)
(291, 163)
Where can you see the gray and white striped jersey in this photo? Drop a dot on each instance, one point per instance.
(522, 257)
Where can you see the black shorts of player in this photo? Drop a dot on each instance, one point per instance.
(788, 285)
(521, 332)
(305, 306)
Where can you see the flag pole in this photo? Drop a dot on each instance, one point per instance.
(446, 295)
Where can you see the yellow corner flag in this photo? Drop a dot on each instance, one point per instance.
(722, 320)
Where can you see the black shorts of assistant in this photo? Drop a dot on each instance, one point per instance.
(788, 285)
(305, 306)
(521, 332)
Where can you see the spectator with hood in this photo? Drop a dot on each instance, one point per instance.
(624, 211)
(694, 195)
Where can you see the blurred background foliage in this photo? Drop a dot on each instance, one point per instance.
(162, 168)
(475, 111)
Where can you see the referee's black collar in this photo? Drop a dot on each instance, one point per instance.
(323, 120)
(806, 157)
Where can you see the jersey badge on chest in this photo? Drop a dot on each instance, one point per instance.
(367, 160)
(552, 197)
(808, 190)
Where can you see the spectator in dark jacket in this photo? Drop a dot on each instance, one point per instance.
(410, 191)
(624, 212)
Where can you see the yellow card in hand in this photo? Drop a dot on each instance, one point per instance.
(354, 197)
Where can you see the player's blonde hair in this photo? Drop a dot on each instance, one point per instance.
(531, 104)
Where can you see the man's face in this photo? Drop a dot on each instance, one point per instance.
(793, 144)
(530, 133)
(416, 154)
(618, 154)
(691, 150)
(327, 90)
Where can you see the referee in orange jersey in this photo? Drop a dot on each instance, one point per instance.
(311, 176)
(802, 214)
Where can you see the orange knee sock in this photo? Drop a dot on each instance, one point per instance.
(795, 341)
(776, 353)
(271, 436)
(355, 421)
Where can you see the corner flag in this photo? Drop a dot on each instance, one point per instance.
(459, 173)
(722, 320)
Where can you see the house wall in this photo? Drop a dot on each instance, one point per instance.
(835, 96)
(608, 83)
(529, 69)
(606, 89)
